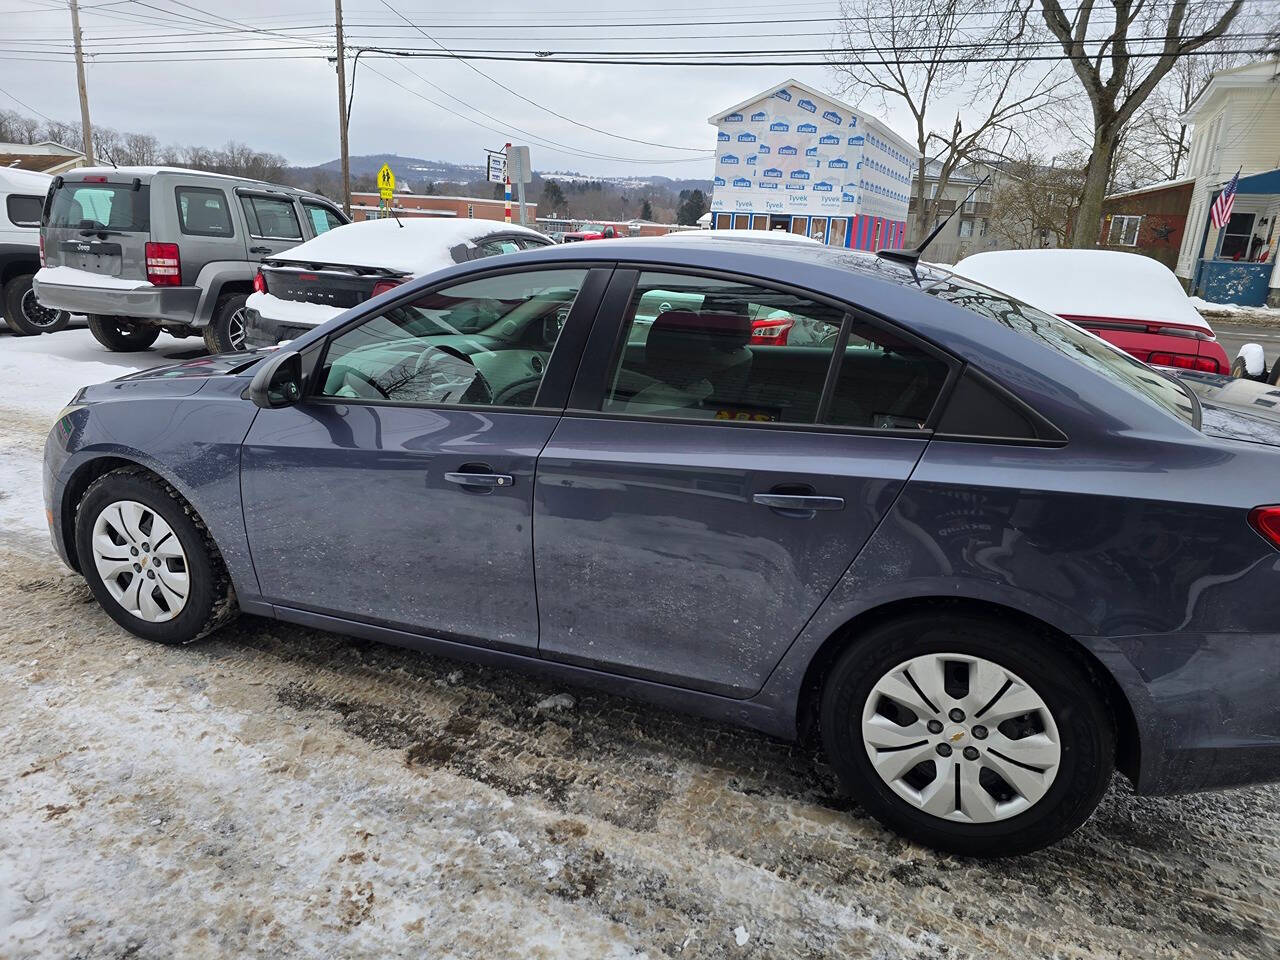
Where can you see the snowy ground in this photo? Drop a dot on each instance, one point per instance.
(281, 792)
(1264, 316)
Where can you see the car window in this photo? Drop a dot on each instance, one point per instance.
(693, 350)
(323, 218)
(270, 217)
(493, 248)
(885, 381)
(531, 243)
(24, 211)
(101, 206)
(486, 341)
(1070, 340)
(203, 211)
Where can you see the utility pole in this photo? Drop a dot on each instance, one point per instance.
(342, 111)
(85, 129)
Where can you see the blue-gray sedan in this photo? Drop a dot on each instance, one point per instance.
(979, 554)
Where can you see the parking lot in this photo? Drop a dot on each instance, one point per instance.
(277, 791)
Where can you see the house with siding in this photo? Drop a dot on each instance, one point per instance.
(1236, 126)
(1151, 220)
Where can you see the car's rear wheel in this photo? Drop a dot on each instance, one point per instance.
(149, 560)
(122, 334)
(24, 314)
(225, 332)
(968, 735)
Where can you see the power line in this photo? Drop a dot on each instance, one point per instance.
(519, 96)
(27, 106)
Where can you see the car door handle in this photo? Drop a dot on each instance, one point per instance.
(480, 479)
(792, 501)
(259, 249)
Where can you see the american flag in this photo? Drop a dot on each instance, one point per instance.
(1221, 211)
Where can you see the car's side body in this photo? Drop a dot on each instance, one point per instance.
(1117, 530)
(22, 195)
(206, 222)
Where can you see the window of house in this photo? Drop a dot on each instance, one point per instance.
(933, 191)
(1236, 236)
(1123, 231)
(966, 228)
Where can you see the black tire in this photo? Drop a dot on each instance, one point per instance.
(24, 314)
(1273, 377)
(122, 335)
(1241, 372)
(210, 600)
(1086, 730)
(225, 332)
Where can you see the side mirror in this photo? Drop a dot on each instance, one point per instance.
(278, 382)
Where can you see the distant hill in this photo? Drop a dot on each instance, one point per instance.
(414, 169)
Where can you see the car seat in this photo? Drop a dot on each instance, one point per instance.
(692, 358)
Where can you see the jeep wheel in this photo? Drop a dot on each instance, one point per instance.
(122, 334)
(225, 332)
(24, 314)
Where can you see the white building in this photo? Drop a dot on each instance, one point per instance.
(1236, 124)
(793, 158)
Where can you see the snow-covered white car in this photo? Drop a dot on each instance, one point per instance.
(317, 280)
(1131, 301)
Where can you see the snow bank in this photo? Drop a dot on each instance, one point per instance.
(71, 277)
(414, 245)
(1087, 283)
(292, 311)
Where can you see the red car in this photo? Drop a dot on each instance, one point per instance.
(1127, 299)
(590, 232)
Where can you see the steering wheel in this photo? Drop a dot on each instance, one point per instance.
(358, 381)
(504, 396)
(438, 355)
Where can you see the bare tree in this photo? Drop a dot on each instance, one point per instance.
(1114, 98)
(915, 55)
(1034, 202)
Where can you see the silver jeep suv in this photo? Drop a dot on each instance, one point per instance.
(145, 249)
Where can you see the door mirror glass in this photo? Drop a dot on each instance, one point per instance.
(278, 382)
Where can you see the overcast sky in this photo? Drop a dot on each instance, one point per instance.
(194, 95)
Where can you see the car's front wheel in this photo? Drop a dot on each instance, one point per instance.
(968, 735)
(149, 560)
(122, 335)
(24, 314)
(225, 332)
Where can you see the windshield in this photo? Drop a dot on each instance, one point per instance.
(100, 206)
(1065, 337)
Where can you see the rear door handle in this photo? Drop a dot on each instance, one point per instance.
(792, 501)
(259, 249)
(480, 479)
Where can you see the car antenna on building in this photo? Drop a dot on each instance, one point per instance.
(912, 257)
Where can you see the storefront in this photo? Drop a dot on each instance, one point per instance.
(1237, 263)
(795, 160)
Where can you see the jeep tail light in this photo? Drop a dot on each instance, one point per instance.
(1266, 520)
(772, 332)
(259, 283)
(1184, 361)
(163, 269)
(382, 286)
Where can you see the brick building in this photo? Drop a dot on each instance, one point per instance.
(1150, 220)
(364, 206)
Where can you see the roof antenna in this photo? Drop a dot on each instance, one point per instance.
(912, 257)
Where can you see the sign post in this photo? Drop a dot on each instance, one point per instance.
(506, 170)
(518, 171)
(386, 187)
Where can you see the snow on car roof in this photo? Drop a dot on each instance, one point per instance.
(412, 244)
(1087, 283)
(16, 179)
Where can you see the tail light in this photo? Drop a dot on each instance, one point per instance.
(772, 332)
(382, 286)
(1184, 361)
(1266, 520)
(259, 283)
(163, 268)
(42, 263)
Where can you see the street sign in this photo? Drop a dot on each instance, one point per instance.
(386, 183)
(518, 165)
(497, 168)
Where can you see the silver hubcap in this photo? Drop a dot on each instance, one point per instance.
(235, 329)
(140, 561)
(961, 738)
(37, 314)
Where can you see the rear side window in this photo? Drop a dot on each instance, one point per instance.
(100, 206)
(24, 211)
(270, 217)
(323, 218)
(885, 382)
(203, 211)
